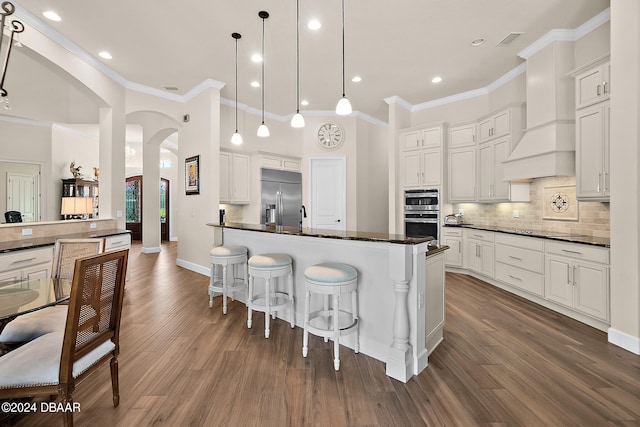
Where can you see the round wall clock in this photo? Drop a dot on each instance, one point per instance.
(330, 136)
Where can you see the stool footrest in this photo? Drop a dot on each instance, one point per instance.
(237, 284)
(279, 301)
(321, 323)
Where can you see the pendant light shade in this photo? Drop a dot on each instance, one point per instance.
(344, 106)
(297, 121)
(236, 138)
(263, 130)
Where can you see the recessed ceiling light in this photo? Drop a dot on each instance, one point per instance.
(356, 79)
(304, 102)
(256, 57)
(436, 79)
(106, 55)
(255, 84)
(477, 42)
(51, 15)
(314, 24)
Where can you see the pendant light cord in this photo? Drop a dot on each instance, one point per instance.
(298, 56)
(236, 85)
(262, 70)
(343, 91)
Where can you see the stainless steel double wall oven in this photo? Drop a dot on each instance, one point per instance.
(422, 213)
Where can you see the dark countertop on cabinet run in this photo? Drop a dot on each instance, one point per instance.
(39, 242)
(553, 235)
(365, 236)
(436, 249)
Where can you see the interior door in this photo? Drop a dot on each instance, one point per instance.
(164, 209)
(22, 195)
(328, 189)
(134, 206)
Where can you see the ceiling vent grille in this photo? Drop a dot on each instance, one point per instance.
(510, 38)
(170, 88)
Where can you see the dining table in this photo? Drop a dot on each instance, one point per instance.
(18, 297)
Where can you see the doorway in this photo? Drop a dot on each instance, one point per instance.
(328, 192)
(134, 207)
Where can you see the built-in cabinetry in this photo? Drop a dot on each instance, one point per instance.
(434, 300)
(494, 126)
(578, 277)
(275, 161)
(421, 156)
(234, 177)
(75, 192)
(491, 184)
(26, 264)
(479, 246)
(452, 237)
(520, 262)
(593, 90)
(462, 163)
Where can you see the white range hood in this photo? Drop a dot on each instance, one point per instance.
(548, 145)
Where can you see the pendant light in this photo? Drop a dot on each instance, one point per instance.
(263, 130)
(297, 121)
(344, 106)
(236, 138)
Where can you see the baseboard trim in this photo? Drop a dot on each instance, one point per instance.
(206, 271)
(151, 250)
(624, 340)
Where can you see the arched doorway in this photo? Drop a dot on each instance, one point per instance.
(134, 207)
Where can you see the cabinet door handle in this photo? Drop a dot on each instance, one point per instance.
(479, 236)
(568, 275)
(598, 90)
(599, 179)
(516, 278)
(604, 181)
(515, 257)
(604, 87)
(20, 261)
(574, 276)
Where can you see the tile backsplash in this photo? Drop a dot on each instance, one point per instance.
(593, 217)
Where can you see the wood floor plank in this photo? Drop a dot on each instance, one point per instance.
(504, 361)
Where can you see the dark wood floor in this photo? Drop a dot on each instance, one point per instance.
(504, 361)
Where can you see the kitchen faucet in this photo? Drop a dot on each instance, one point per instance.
(303, 213)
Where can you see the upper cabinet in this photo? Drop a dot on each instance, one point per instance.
(234, 178)
(462, 175)
(276, 161)
(593, 85)
(462, 135)
(495, 126)
(421, 156)
(491, 185)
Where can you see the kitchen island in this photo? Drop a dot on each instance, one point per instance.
(391, 284)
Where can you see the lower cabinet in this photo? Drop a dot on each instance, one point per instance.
(452, 237)
(26, 264)
(578, 278)
(520, 262)
(434, 301)
(480, 251)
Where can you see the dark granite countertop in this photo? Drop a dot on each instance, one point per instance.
(17, 245)
(364, 236)
(553, 235)
(436, 249)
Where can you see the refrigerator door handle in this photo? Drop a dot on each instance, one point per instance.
(279, 207)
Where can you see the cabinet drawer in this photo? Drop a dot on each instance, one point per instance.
(578, 251)
(522, 279)
(521, 258)
(28, 257)
(484, 235)
(533, 243)
(119, 242)
(454, 232)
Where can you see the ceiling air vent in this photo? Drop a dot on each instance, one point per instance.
(510, 38)
(170, 88)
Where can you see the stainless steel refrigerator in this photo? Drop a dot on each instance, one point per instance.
(281, 190)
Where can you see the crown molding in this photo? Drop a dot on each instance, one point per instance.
(22, 121)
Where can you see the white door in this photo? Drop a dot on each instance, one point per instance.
(327, 192)
(22, 195)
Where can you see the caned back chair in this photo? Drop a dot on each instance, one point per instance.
(33, 325)
(53, 363)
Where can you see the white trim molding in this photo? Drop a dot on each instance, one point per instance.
(206, 271)
(624, 340)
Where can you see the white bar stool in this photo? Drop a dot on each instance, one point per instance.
(225, 256)
(270, 266)
(331, 279)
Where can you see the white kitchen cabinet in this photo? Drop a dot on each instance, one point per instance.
(593, 85)
(421, 156)
(463, 135)
(452, 237)
(494, 126)
(520, 262)
(275, 161)
(578, 277)
(491, 184)
(26, 264)
(479, 245)
(592, 152)
(462, 175)
(434, 301)
(234, 178)
(117, 243)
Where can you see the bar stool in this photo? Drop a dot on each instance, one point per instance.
(330, 279)
(270, 266)
(225, 256)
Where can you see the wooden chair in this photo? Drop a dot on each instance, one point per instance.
(53, 364)
(33, 325)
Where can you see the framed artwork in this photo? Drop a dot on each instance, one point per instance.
(192, 175)
(560, 203)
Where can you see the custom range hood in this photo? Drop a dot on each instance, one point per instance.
(548, 145)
